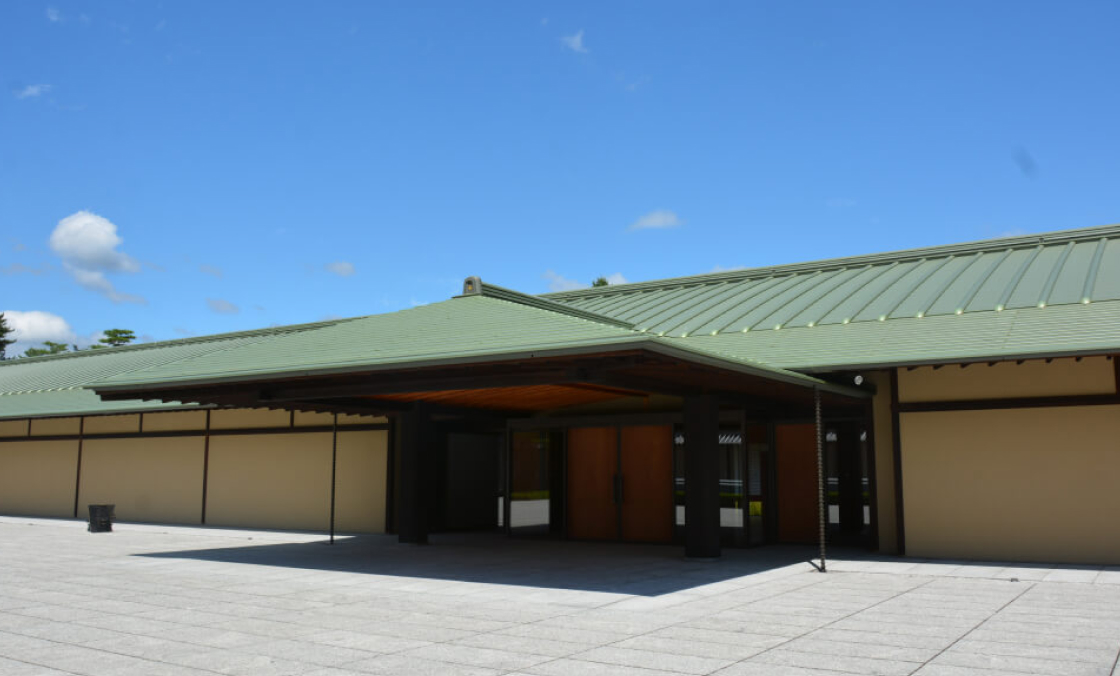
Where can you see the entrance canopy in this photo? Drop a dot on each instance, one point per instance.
(488, 351)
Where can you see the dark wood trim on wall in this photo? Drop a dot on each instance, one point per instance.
(205, 467)
(1116, 370)
(896, 442)
(1009, 402)
(78, 477)
(203, 432)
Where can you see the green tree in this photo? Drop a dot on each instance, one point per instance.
(49, 347)
(5, 341)
(600, 281)
(116, 338)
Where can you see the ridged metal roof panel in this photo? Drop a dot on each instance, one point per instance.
(1011, 334)
(1107, 282)
(1062, 268)
(1069, 287)
(51, 385)
(462, 328)
(77, 401)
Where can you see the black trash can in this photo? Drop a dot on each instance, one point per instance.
(101, 518)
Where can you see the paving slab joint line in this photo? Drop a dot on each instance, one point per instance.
(647, 633)
(36, 664)
(839, 619)
(109, 652)
(979, 624)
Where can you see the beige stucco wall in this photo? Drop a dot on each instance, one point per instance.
(174, 421)
(112, 424)
(41, 427)
(37, 477)
(345, 419)
(312, 419)
(284, 481)
(1033, 378)
(14, 428)
(360, 482)
(154, 480)
(234, 418)
(266, 481)
(884, 461)
(1015, 484)
(270, 481)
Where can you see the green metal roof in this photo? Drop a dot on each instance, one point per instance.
(1042, 295)
(1063, 330)
(55, 384)
(486, 325)
(463, 328)
(1038, 271)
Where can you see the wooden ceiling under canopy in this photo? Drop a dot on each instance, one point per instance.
(530, 398)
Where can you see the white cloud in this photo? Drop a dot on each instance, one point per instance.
(53, 15)
(733, 268)
(90, 241)
(657, 220)
(32, 91)
(558, 283)
(87, 245)
(35, 326)
(222, 307)
(341, 268)
(616, 278)
(210, 270)
(574, 42)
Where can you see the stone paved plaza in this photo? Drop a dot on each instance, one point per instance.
(152, 600)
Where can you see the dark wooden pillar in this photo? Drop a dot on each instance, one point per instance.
(415, 466)
(701, 476)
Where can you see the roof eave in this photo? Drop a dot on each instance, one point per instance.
(972, 359)
(656, 345)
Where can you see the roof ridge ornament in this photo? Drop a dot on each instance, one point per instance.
(473, 286)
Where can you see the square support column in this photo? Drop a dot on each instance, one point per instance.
(701, 476)
(414, 460)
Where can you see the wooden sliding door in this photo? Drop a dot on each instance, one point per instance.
(620, 483)
(592, 464)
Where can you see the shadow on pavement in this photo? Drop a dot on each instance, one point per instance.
(643, 570)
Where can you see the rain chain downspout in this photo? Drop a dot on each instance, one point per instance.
(821, 504)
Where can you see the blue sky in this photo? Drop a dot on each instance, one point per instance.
(189, 168)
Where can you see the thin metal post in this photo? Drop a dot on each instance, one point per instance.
(334, 468)
(821, 504)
